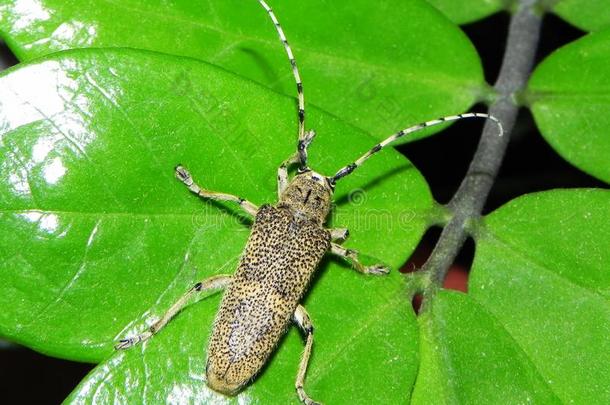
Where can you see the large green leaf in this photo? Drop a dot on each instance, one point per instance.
(365, 352)
(569, 94)
(97, 238)
(589, 15)
(468, 358)
(378, 65)
(541, 268)
(466, 11)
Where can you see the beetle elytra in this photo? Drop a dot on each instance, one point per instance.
(286, 243)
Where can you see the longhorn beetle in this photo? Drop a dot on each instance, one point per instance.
(284, 248)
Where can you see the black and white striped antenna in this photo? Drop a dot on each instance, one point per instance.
(304, 139)
(344, 171)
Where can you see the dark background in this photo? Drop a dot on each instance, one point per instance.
(530, 165)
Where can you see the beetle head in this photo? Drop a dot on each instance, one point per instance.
(309, 194)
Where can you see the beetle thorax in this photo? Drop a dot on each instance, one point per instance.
(308, 195)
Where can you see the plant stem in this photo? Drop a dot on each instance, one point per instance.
(468, 202)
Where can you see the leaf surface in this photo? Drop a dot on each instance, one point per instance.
(98, 239)
(365, 350)
(467, 11)
(569, 94)
(467, 357)
(541, 269)
(379, 66)
(588, 15)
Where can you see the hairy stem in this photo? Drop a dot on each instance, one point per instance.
(468, 202)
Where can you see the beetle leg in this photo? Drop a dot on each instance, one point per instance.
(352, 256)
(282, 173)
(212, 283)
(184, 176)
(301, 317)
(339, 234)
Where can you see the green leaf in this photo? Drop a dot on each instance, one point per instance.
(468, 358)
(379, 66)
(569, 94)
(588, 15)
(467, 11)
(365, 351)
(98, 239)
(541, 269)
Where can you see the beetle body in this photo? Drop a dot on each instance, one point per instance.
(286, 244)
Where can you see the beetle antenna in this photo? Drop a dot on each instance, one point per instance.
(304, 139)
(353, 166)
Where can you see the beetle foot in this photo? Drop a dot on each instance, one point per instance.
(183, 175)
(305, 398)
(377, 269)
